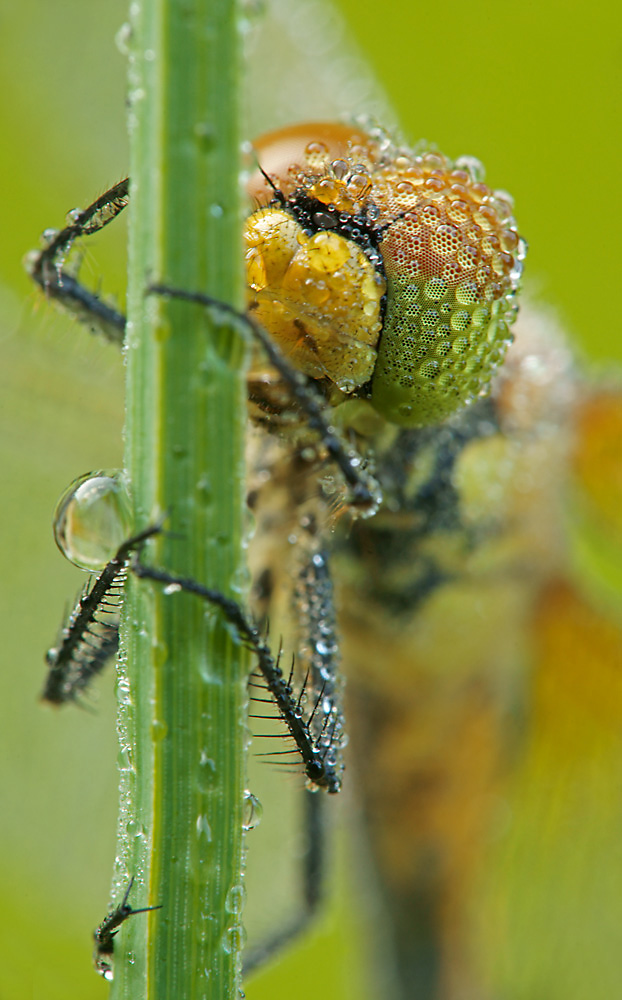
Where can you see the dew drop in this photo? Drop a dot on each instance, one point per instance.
(136, 829)
(207, 772)
(136, 95)
(235, 899)
(203, 828)
(92, 519)
(159, 730)
(252, 811)
(340, 168)
(123, 39)
(474, 167)
(204, 488)
(233, 939)
(205, 134)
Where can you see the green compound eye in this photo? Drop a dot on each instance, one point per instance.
(452, 260)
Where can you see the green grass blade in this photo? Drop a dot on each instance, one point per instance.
(182, 718)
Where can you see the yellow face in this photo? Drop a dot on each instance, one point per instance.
(389, 272)
(318, 295)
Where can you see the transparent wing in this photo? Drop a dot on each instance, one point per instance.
(303, 66)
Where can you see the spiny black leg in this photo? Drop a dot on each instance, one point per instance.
(90, 636)
(365, 492)
(47, 266)
(318, 658)
(320, 760)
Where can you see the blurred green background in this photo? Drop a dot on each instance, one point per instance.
(533, 90)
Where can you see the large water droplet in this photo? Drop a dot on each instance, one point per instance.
(252, 811)
(92, 519)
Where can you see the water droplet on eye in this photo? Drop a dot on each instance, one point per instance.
(92, 519)
(340, 168)
(235, 899)
(252, 811)
(474, 166)
(316, 149)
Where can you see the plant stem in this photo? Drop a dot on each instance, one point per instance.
(182, 685)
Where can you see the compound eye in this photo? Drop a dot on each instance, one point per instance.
(452, 259)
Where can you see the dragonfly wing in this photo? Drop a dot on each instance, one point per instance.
(319, 74)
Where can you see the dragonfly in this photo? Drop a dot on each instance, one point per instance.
(434, 638)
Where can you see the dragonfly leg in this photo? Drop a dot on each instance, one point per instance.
(48, 270)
